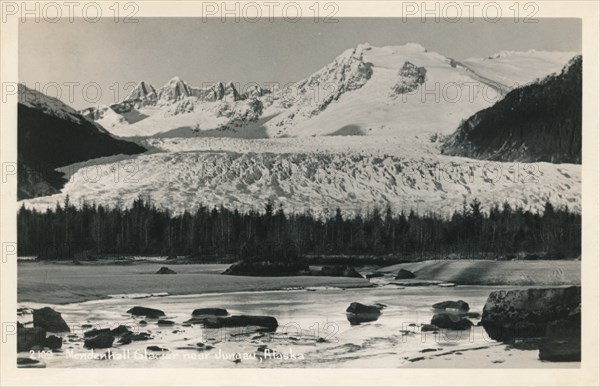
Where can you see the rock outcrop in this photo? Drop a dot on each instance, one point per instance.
(339, 271)
(209, 312)
(562, 341)
(410, 77)
(165, 270)
(451, 321)
(459, 305)
(358, 313)
(267, 323)
(146, 312)
(526, 313)
(50, 320)
(267, 269)
(103, 340)
(27, 338)
(404, 274)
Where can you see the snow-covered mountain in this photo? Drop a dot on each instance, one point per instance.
(176, 105)
(51, 106)
(51, 134)
(365, 130)
(540, 121)
(512, 69)
(365, 90)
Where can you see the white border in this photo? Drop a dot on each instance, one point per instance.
(586, 375)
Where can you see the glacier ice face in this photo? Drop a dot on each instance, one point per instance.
(353, 173)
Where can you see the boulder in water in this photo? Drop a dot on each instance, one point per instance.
(125, 339)
(340, 271)
(203, 347)
(120, 330)
(451, 321)
(156, 348)
(146, 312)
(357, 319)
(165, 270)
(429, 328)
(358, 313)
(142, 336)
(53, 342)
(267, 268)
(459, 305)
(210, 312)
(404, 274)
(267, 322)
(27, 362)
(50, 320)
(28, 338)
(510, 314)
(95, 332)
(358, 308)
(103, 340)
(562, 341)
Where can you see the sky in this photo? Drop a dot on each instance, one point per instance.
(111, 57)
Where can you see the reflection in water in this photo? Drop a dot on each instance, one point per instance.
(357, 319)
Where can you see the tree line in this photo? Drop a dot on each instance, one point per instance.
(208, 234)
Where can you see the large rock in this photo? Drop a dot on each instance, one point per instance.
(29, 337)
(26, 362)
(357, 319)
(120, 330)
(104, 340)
(562, 341)
(451, 321)
(459, 305)
(165, 270)
(128, 337)
(156, 348)
(340, 271)
(358, 308)
(429, 328)
(95, 332)
(358, 313)
(405, 274)
(146, 312)
(210, 312)
(267, 269)
(267, 322)
(526, 313)
(50, 320)
(53, 342)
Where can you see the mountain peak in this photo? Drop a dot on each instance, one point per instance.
(50, 105)
(140, 91)
(175, 79)
(415, 46)
(174, 90)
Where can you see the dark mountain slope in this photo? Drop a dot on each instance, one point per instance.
(537, 122)
(46, 142)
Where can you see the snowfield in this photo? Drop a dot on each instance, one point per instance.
(355, 94)
(410, 177)
(511, 69)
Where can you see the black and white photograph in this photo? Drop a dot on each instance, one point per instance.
(261, 186)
